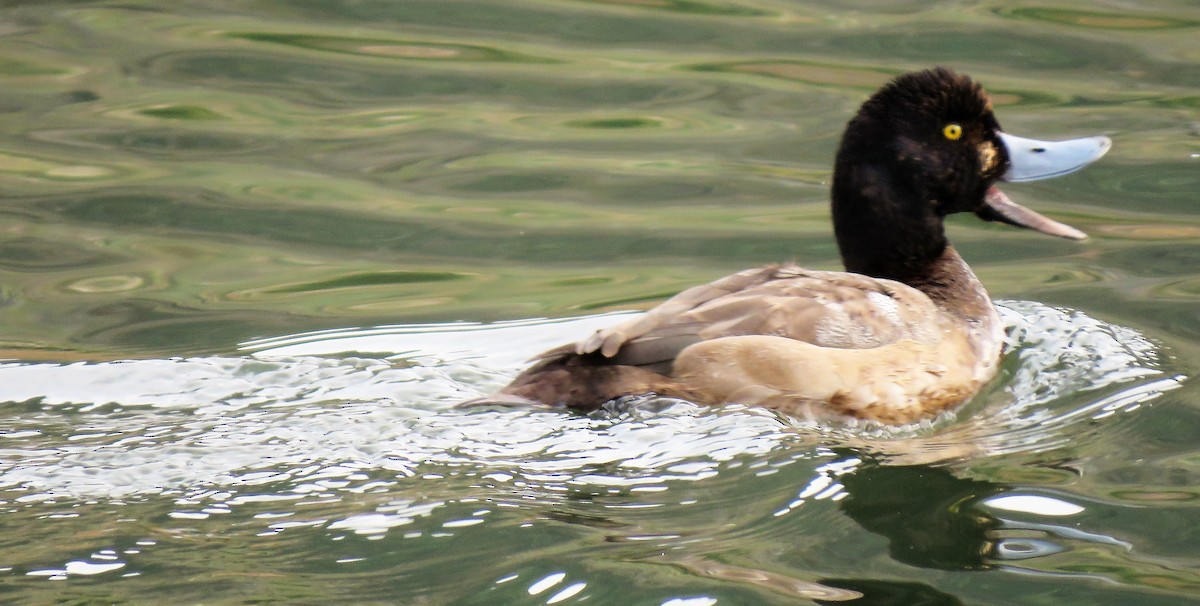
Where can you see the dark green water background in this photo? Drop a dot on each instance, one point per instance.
(186, 183)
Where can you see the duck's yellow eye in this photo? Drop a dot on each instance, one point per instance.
(952, 131)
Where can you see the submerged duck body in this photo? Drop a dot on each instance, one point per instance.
(905, 333)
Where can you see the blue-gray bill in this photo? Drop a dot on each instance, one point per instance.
(1030, 160)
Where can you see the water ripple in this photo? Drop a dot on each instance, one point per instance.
(309, 407)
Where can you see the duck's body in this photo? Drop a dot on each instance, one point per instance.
(808, 343)
(907, 332)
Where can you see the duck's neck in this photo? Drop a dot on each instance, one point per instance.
(886, 225)
(946, 279)
(951, 284)
(888, 228)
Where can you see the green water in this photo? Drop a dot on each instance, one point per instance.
(251, 253)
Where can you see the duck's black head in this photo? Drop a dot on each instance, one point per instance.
(927, 145)
(924, 146)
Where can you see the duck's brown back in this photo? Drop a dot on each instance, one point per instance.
(821, 310)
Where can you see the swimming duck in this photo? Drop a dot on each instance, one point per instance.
(907, 331)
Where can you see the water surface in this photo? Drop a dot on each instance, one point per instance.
(251, 255)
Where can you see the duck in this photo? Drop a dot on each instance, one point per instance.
(905, 333)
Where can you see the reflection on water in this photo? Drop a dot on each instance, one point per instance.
(312, 399)
(305, 435)
(181, 178)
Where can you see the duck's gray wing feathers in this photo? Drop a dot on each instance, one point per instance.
(609, 340)
(825, 308)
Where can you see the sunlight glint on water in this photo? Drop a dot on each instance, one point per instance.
(182, 177)
(285, 416)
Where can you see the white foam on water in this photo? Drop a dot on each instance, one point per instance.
(308, 416)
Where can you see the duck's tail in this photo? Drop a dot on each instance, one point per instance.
(581, 382)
